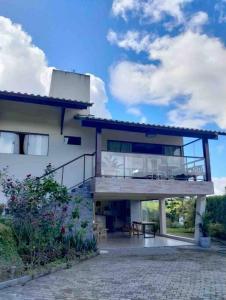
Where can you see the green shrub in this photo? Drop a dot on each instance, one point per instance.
(217, 230)
(8, 251)
(2, 206)
(41, 221)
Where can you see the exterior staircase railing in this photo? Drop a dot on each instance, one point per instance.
(75, 172)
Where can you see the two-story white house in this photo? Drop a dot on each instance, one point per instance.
(126, 162)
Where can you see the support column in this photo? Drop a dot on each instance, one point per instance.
(200, 210)
(98, 152)
(162, 216)
(205, 145)
(135, 211)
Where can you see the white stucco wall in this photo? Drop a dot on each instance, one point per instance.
(70, 85)
(31, 118)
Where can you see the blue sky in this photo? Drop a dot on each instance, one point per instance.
(176, 48)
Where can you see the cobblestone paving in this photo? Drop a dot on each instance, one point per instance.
(172, 273)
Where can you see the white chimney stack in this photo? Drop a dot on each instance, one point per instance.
(69, 85)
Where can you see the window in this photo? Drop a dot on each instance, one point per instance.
(117, 146)
(9, 142)
(36, 144)
(148, 148)
(172, 150)
(72, 140)
(24, 143)
(131, 147)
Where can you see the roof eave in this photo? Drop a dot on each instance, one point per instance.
(43, 100)
(148, 128)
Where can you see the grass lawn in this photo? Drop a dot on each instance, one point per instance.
(180, 232)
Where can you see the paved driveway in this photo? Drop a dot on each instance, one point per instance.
(144, 273)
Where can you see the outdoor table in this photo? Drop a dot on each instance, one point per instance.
(144, 225)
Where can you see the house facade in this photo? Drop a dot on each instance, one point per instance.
(125, 163)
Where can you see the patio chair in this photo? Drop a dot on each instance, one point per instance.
(137, 228)
(127, 228)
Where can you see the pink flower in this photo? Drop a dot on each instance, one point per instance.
(62, 230)
(13, 198)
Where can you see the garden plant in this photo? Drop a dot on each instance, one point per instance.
(42, 224)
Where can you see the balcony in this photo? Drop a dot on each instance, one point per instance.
(155, 167)
(146, 177)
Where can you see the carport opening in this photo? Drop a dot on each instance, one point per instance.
(180, 217)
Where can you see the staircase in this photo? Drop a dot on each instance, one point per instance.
(77, 176)
(75, 173)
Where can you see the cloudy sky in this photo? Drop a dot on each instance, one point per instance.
(156, 61)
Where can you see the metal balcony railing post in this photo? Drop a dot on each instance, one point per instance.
(62, 176)
(124, 165)
(84, 168)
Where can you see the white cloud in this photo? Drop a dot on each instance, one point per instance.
(220, 8)
(157, 9)
(152, 10)
(98, 97)
(134, 111)
(133, 40)
(191, 74)
(24, 68)
(219, 185)
(197, 21)
(121, 7)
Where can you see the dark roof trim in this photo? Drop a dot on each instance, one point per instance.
(149, 128)
(43, 100)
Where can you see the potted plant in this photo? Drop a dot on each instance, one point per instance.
(204, 240)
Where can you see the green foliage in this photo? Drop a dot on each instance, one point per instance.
(217, 230)
(174, 208)
(216, 211)
(84, 224)
(8, 250)
(2, 206)
(204, 225)
(75, 213)
(215, 215)
(150, 210)
(41, 219)
(216, 208)
(177, 207)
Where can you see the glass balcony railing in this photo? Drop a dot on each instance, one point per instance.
(152, 166)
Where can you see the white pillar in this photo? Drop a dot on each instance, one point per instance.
(162, 216)
(135, 211)
(200, 210)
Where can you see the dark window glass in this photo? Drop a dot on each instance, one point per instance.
(72, 140)
(129, 147)
(117, 146)
(147, 148)
(172, 150)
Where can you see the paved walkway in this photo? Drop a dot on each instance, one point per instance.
(124, 240)
(144, 273)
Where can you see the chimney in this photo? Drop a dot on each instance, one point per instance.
(69, 85)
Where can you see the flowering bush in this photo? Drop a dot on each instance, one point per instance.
(38, 211)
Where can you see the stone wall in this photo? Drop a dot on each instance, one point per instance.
(82, 207)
